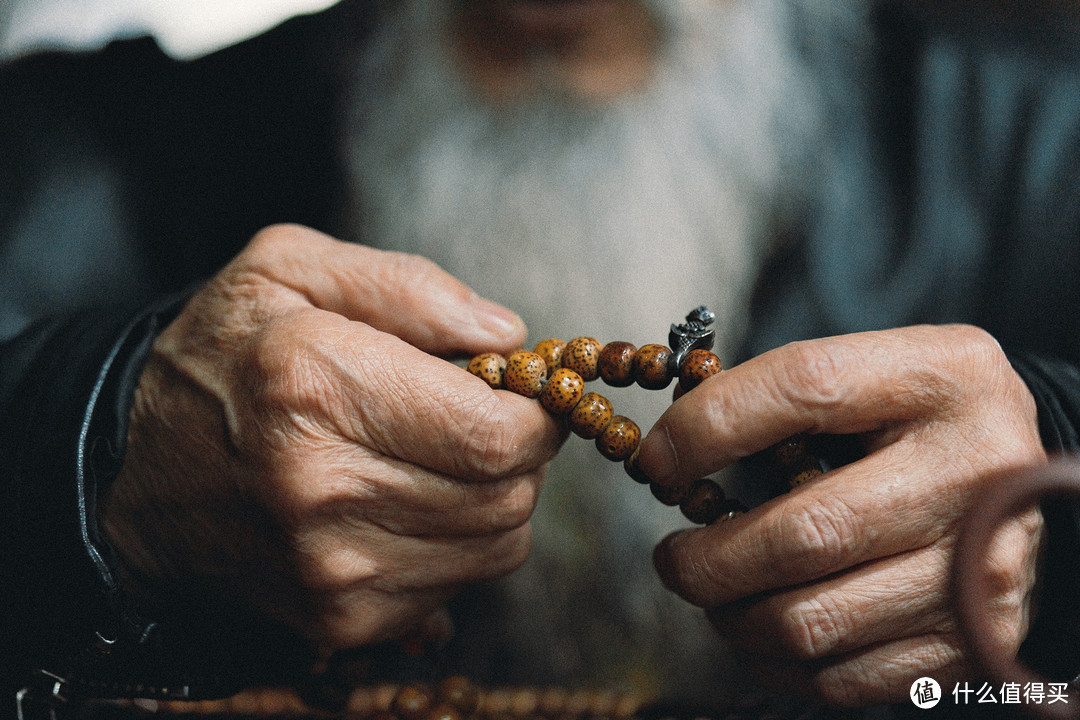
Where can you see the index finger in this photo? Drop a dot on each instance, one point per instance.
(845, 384)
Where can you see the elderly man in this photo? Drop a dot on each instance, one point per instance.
(301, 465)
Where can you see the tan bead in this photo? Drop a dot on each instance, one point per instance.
(459, 692)
(551, 350)
(651, 367)
(698, 365)
(620, 438)
(412, 702)
(489, 367)
(617, 364)
(525, 373)
(591, 415)
(582, 355)
(562, 392)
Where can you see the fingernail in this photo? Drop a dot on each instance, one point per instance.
(657, 458)
(495, 318)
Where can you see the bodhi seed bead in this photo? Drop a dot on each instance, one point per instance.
(617, 364)
(562, 392)
(620, 438)
(525, 373)
(582, 355)
(590, 416)
(696, 367)
(551, 350)
(670, 496)
(489, 367)
(704, 503)
(651, 367)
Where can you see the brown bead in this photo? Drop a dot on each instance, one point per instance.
(489, 367)
(582, 355)
(525, 373)
(704, 502)
(651, 367)
(562, 392)
(551, 350)
(444, 711)
(670, 496)
(412, 702)
(633, 469)
(617, 364)
(620, 438)
(459, 692)
(552, 701)
(698, 365)
(790, 451)
(591, 415)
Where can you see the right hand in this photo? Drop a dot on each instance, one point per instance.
(298, 450)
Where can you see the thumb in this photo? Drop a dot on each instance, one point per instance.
(404, 295)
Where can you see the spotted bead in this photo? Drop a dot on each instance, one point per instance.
(525, 373)
(620, 438)
(590, 416)
(551, 350)
(704, 502)
(617, 364)
(651, 367)
(459, 692)
(562, 392)
(696, 366)
(670, 496)
(489, 367)
(791, 451)
(804, 471)
(582, 355)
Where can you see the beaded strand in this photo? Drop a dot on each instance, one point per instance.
(555, 372)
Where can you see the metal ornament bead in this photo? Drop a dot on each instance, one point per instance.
(582, 355)
(697, 366)
(562, 392)
(620, 438)
(590, 416)
(651, 367)
(551, 350)
(525, 373)
(489, 367)
(617, 364)
(704, 503)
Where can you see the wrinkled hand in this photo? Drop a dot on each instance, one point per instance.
(839, 589)
(297, 448)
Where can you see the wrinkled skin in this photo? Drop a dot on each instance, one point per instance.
(299, 450)
(838, 590)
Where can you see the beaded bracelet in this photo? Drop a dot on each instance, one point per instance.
(555, 373)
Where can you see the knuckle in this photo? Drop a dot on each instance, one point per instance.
(814, 628)
(512, 508)
(492, 442)
(813, 375)
(820, 533)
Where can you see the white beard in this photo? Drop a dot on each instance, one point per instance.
(609, 221)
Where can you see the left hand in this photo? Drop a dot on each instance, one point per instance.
(840, 589)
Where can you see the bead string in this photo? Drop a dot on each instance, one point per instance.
(555, 372)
